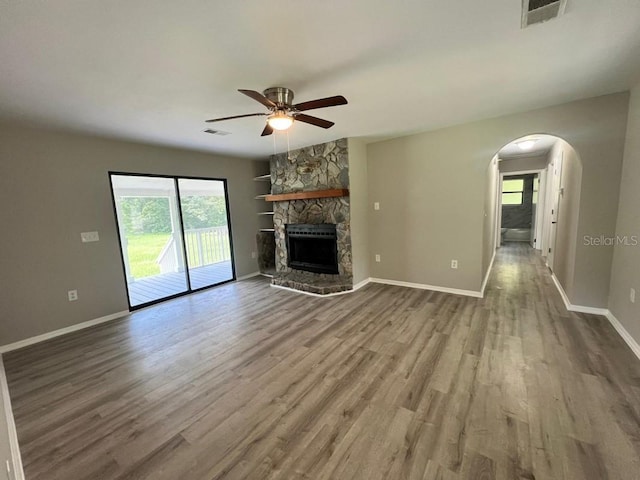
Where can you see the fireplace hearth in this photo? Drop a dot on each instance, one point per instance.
(312, 247)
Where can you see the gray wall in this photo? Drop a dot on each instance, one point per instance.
(358, 197)
(54, 186)
(422, 224)
(625, 272)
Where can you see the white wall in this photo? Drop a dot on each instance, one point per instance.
(490, 225)
(359, 201)
(537, 162)
(568, 215)
(431, 188)
(625, 273)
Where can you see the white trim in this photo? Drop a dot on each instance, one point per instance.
(576, 308)
(311, 293)
(245, 277)
(422, 286)
(357, 286)
(565, 299)
(361, 284)
(486, 276)
(62, 331)
(626, 336)
(16, 459)
(615, 323)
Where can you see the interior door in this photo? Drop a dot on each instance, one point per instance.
(556, 192)
(534, 210)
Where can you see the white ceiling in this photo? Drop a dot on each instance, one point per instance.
(154, 70)
(542, 146)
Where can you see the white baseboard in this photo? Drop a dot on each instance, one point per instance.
(250, 275)
(311, 294)
(605, 312)
(62, 331)
(361, 284)
(16, 459)
(577, 308)
(626, 336)
(435, 288)
(486, 276)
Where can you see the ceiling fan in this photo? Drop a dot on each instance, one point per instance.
(282, 113)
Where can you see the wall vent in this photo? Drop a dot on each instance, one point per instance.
(539, 11)
(216, 132)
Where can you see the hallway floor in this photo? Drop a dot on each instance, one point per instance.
(247, 381)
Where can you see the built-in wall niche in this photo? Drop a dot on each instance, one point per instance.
(265, 241)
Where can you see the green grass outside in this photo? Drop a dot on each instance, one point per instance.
(143, 251)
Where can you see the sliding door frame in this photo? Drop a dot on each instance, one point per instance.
(175, 179)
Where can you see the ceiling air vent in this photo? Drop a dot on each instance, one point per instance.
(539, 11)
(216, 132)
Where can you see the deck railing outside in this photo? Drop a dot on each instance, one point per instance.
(205, 246)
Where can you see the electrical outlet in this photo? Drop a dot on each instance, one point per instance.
(376, 205)
(254, 254)
(377, 257)
(632, 295)
(454, 264)
(73, 295)
(89, 237)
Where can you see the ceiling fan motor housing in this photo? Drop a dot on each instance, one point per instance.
(279, 95)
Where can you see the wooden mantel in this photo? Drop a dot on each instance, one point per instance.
(336, 192)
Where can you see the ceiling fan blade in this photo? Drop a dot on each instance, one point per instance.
(258, 97)
(267, 130)
(236, 116)
(321, 103)
(318, 122)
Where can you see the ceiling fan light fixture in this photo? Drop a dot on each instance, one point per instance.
(280, 120)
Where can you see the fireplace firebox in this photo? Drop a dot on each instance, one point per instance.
(312, 248)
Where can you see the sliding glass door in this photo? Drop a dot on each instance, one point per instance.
(174, 235)
(206, 231)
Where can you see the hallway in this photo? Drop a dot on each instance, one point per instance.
(580, 385)
(384, 383)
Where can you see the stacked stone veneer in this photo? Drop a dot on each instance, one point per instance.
(318, 167)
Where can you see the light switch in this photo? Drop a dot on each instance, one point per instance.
(89, 237)
(376, 205)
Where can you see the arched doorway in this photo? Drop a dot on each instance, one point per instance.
(536, 181)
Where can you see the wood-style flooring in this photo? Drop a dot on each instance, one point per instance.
(250, 382)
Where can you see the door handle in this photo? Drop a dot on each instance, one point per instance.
(553, 223)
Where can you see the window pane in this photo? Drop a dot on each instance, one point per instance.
(535, 198)
(150, 237)
(206, 232)
(536, 184)
(513, 185)
(512, 198)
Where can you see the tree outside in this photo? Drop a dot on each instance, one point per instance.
(147, 225)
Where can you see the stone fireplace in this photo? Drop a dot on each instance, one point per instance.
(312, 169)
